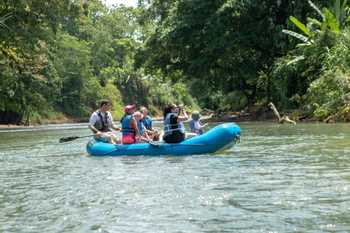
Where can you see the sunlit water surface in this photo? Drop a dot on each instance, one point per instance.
(280, 178)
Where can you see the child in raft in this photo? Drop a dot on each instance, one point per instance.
(195, 125)
(142, 129)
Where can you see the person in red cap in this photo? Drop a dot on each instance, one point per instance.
(129, 125)
(130, 107)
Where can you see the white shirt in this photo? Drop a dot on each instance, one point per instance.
(197, 125)
(94, 118)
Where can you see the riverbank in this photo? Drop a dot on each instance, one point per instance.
(206, 118)
(10, 126)
(252, 114)
(57, 120)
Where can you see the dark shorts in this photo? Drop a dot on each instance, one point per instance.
(175, 137)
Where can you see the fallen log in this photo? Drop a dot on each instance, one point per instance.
(283, 119)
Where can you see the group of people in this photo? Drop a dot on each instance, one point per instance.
(136, 126)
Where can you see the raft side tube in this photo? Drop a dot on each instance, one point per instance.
(215, 139)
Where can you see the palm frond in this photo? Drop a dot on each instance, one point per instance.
(316, 9)
(331, 21)
(295, 60)
(296, 35)
(3, 19)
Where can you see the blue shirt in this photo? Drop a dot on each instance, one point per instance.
(140, 127)
(147, 122)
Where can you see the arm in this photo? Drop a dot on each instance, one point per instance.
(96, 131)
(133, 125)
(151, 124)
(92, 122)
(146, 131)
(111, 123)
(182, 116)
(115, 127)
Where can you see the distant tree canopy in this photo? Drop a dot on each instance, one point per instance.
(221, 46)
(62, 56)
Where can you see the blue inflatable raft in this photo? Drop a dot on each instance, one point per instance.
(215, 139)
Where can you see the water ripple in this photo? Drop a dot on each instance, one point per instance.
(280, 178)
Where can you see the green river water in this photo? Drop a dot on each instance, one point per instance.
(280, 178)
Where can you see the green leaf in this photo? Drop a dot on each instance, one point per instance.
(300, 25)
(314, 21)
(295, 60)
(331, 21)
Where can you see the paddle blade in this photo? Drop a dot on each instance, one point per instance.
(68, 139)
(154, 143)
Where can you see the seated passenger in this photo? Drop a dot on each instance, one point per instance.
(195, 124)
(142, 129)
(174, 129)
(147, 122)
(101, 123)
(129, 125)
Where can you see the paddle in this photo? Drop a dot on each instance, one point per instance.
(153, 143)
(72, 138)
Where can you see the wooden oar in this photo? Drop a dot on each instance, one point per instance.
(72, 138)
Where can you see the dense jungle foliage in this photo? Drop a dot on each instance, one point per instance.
(58, 58)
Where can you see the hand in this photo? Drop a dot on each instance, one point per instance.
(116, 127)
(98, 134)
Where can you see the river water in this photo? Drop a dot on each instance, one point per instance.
(280, 178)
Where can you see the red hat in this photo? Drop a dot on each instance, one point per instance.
(129, 107)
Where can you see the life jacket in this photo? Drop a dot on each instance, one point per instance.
(102, 122)
(147, 122)
(128, 133)
(170, 128)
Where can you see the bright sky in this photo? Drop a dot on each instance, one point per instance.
(125, 2)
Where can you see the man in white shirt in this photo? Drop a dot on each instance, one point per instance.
(101, 123)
